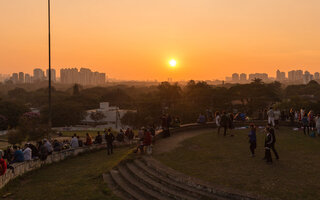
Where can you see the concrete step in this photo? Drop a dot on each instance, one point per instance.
(153, 174)
(138, 186)
(156, 186)
(115, 188)
(181, 178)
(125, 187)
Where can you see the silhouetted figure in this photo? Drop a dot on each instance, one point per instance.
(109, 139)
(224, 123)
(252, 139)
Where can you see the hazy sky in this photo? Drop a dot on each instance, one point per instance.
(135, 39)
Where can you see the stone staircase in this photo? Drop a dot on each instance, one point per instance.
(145, 179)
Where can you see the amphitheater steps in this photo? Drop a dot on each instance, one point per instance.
(145, 179)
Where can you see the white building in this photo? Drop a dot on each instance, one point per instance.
(112, 115)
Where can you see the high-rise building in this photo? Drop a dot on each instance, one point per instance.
(243, 77)
(235, 77)
(263, 76)
(15, 77)
(38, 75)
(21, 77)
(316, 76)
(280, 76)
(307, 77)
(84, 77)
(53, 75)
(27, 78)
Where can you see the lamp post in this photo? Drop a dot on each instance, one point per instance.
(49, 74)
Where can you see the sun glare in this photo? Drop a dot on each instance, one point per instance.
(173, 63)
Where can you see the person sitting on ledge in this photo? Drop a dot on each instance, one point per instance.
(74, 141)
(27, 152)
(98, 139)
(88, 140)
(201, 119)
(57, 146)
(17, 156)
(3, 164)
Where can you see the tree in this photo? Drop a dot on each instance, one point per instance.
(16, 137)
(12, 111)
(97, 116)
(64, 113)
(3, 123)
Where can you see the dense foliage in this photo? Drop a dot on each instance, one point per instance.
(187, 101)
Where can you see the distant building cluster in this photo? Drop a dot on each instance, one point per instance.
(294, 77)
(244, 78)
(67, 76)
(83, 77)
(38, 75)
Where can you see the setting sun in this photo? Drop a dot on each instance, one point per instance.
(173, 63)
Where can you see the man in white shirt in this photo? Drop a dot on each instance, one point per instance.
(277, 115)
(74, 141)
(270, 114)
(27, 153)
(218, 119)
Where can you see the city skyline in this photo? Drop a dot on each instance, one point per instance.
(127, 38)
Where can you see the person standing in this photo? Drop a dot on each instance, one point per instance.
(224, 123)
(318, 124)
(218, 119)
(109, 139)
(273, 142)
(270, 114)
(277, 115)
(305, 124)
(267, 146)
(230, 123)
(252, 139)
(147, 141)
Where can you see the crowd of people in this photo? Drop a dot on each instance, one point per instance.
(41, 150)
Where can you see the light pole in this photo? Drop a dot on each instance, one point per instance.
(49, 74)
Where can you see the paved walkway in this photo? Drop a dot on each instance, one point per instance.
(170, 143)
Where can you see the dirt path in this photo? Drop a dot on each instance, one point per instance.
(168, 144)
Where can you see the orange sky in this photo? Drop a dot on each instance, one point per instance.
(135, 39)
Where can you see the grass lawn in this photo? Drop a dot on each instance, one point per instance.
(226, 162)
(73, 179)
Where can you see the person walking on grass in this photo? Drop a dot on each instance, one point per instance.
(252, 139)
(109, 139)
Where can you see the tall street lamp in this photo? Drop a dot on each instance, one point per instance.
(49, 74)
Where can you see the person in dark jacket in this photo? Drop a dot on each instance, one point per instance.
(267, 146)
(272, 147)
(224, 122)
(109, 139)
(252, 139)
(98, 139)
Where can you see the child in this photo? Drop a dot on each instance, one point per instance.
(252, 139)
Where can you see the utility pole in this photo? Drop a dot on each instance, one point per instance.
(49, 74)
